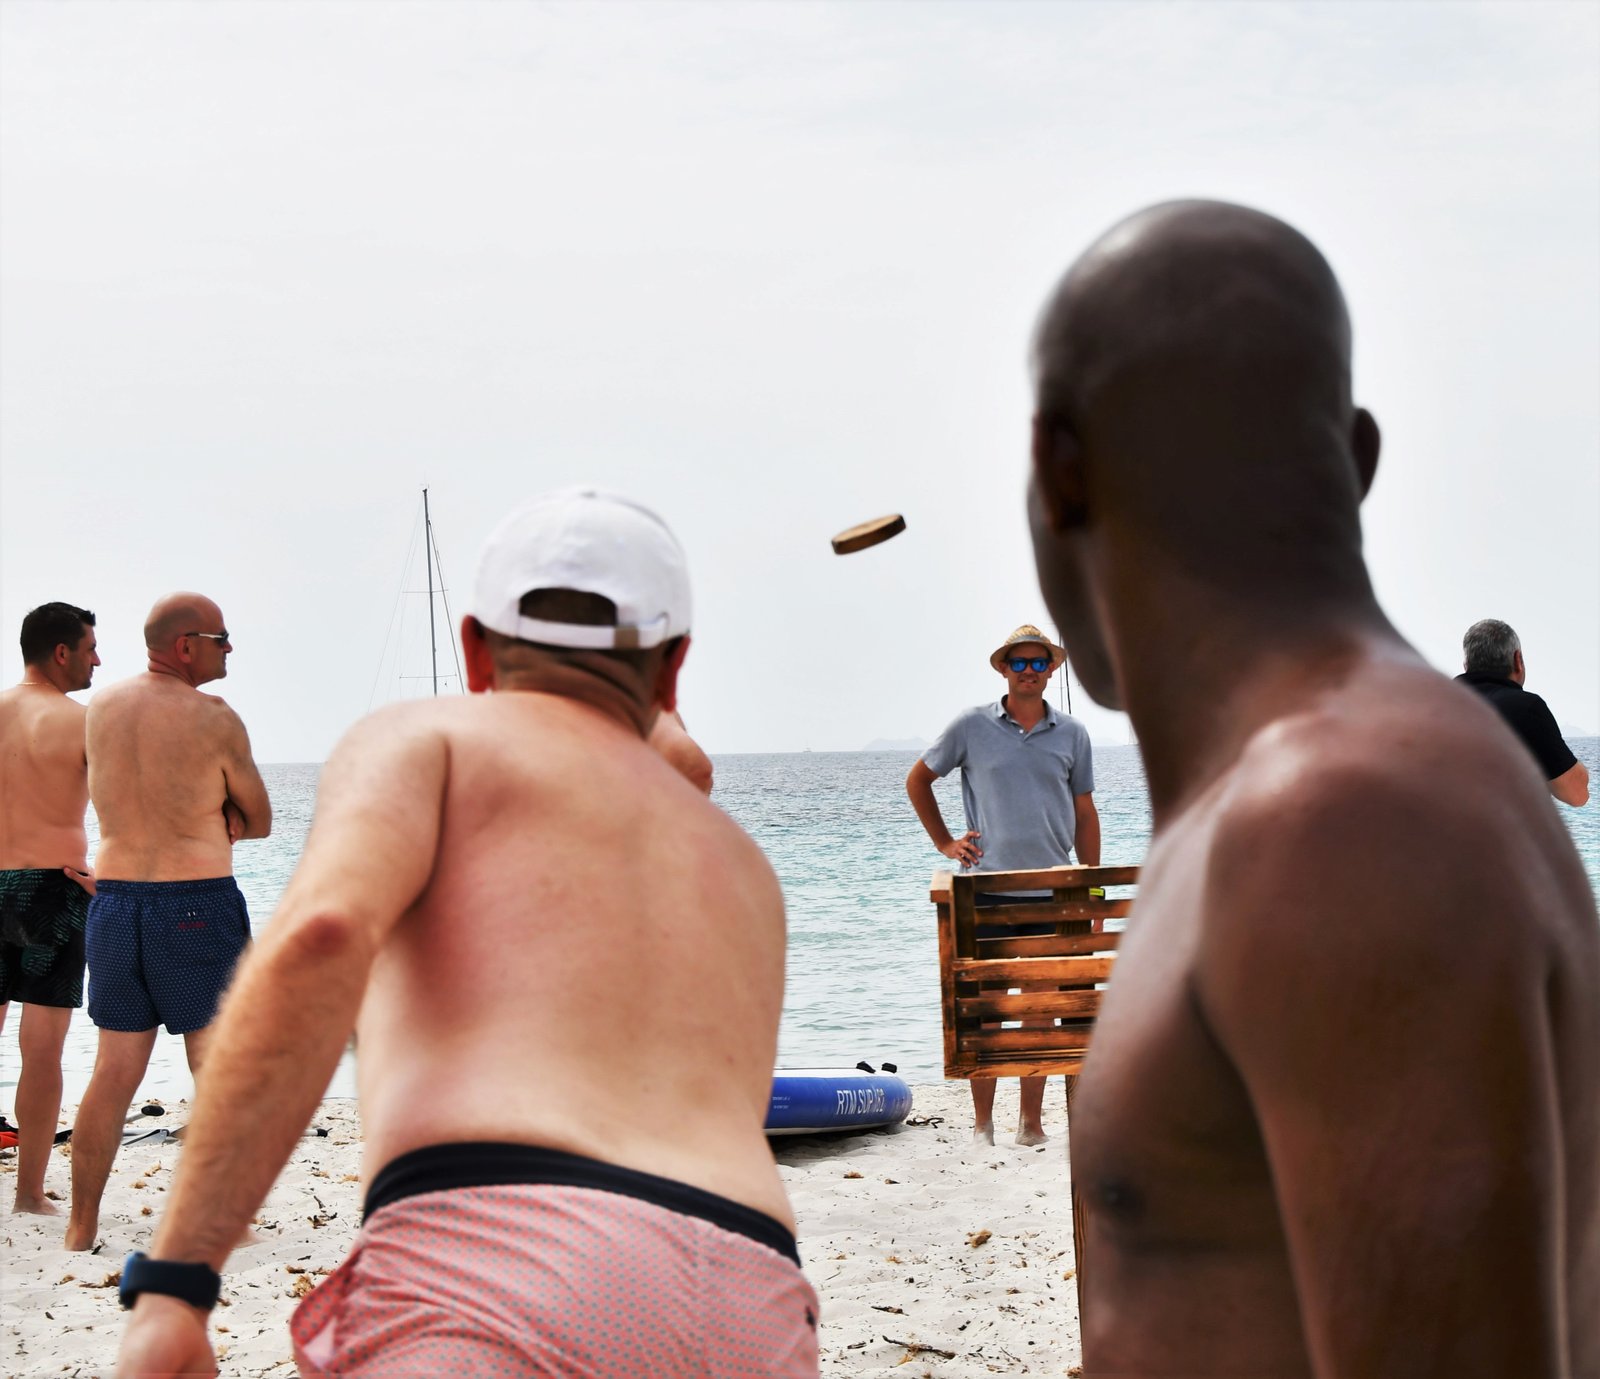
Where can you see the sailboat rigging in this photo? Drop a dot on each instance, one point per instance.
(436, 589)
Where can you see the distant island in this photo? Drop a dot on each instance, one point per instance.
(896, 744)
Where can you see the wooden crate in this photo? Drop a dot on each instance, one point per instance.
(1057, 974)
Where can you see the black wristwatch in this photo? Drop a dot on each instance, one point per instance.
(196, 1284)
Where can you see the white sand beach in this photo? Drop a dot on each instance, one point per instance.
(932, 1256)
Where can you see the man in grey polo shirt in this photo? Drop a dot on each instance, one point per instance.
(1027, 784)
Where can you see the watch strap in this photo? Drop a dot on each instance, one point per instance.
(199, 1285)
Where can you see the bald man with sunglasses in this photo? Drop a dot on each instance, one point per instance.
(1027, 785)
(174, 787)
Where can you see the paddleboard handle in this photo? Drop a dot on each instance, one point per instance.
(891, 1067)
(866, 1067)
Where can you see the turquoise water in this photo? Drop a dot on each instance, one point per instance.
(855, 867)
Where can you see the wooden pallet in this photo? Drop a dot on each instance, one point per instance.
(1032, 979)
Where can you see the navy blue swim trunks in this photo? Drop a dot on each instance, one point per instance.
(163, 952)
(42, 914)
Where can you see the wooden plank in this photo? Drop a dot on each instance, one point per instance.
(1072, 1038)
(961, 907)
(1054, 911)
(1047, 945)
(1071, 1004)
(1051, 878)
(939, 887)
(1019, 1065)
(947, 983)
(1055, 971)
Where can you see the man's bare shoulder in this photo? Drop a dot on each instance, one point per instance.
(20, 701)
(405, 722)
(126, 694)
(544, 741)
(1396, 807)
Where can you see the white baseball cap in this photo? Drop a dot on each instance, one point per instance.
(596, 543)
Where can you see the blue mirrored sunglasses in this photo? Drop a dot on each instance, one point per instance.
(1039, 664)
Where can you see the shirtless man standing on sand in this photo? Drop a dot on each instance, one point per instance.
(45, 883)
(174, 787)
(1342, 1114)
(542, 930)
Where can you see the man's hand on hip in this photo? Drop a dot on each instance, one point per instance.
(963, 849)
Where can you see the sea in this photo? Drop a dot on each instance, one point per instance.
(863, 965)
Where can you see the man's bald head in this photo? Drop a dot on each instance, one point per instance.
(1199, 354)
(1204, 294)
(1193, 405)
(177, 614)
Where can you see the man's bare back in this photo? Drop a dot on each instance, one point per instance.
(43, 767)
(1342, 1113)
(573, 865)
(164, 759)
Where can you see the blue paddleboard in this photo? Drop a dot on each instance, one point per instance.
(808, 1100)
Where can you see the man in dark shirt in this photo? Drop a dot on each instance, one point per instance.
(1492, 656)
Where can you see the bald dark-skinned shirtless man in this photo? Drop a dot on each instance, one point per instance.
(174, 787)
(1342, 1114)
(45, 883)
(538, 925)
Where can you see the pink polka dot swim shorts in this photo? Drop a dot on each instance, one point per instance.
(505, 1260)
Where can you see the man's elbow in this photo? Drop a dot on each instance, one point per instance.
(327, 936)
(1572, 786)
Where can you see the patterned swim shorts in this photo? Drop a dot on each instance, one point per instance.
(513, 1260)
(42, 915)
(163, 952)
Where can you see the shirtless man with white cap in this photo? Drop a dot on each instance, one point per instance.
(518, 905)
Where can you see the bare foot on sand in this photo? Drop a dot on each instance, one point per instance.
(1031, 1134)
(983, 1134)
(79, 1239)
(35, 1206)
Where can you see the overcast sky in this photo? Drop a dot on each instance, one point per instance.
(267, 269)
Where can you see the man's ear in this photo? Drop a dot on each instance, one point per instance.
(1365, 442)
(667, 676)
(479, 659)
(1058, 477)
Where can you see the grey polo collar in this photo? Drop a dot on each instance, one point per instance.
(1049, 721)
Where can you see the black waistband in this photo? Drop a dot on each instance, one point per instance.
(447, 1167)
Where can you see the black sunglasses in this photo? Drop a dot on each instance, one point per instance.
(1039, 664)
(219, 637)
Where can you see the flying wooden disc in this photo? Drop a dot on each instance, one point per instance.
(871, 533)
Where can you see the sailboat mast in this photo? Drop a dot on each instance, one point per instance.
(427, 537)
(1066, 678)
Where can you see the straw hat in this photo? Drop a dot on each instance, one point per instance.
(1028, 633)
